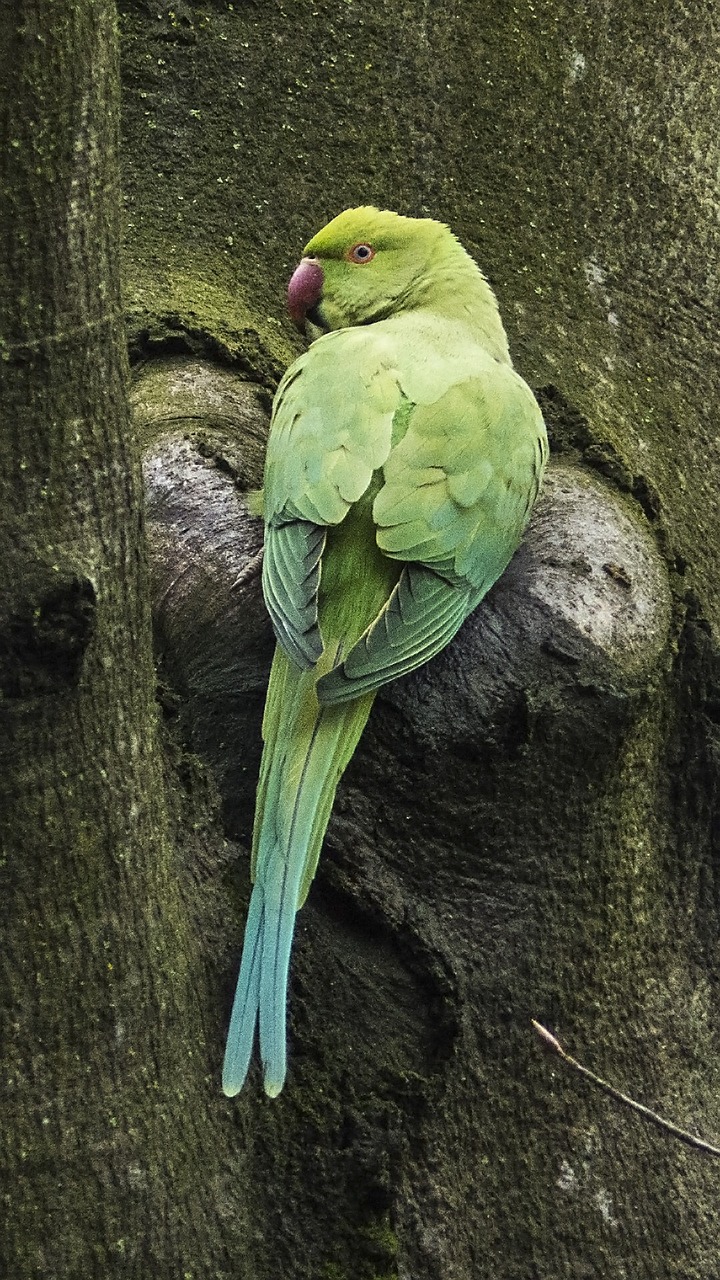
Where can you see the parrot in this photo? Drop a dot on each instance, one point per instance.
(404, 457)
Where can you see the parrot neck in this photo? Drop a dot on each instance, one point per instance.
(458, 291)
(476, 311)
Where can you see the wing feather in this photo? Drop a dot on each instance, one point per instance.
(460, 443)
(331, 430)
(421, 616)
(291, 576)
(459, 486)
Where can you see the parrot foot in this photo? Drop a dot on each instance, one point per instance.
(251, 570)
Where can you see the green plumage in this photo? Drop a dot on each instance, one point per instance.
(404, 457)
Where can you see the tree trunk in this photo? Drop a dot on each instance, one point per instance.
(101, 986)
(529, 829)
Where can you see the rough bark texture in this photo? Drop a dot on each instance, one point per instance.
(529, 828)
(101, 977)
(530, 825)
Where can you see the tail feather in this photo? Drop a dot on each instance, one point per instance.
(262, 985)
(306, 750)
(275, 965)
(241, 1033)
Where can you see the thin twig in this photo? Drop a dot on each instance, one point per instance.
(249, 570)
(667, 1125)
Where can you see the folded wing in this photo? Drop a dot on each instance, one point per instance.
(459, 487)
(329, 434)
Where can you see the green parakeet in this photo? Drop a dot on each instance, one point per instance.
(404, 457)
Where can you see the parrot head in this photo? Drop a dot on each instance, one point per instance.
(370, 263)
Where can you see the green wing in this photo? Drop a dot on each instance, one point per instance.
(331, 429)
(291, 577)
(421, 616)
(458, 491)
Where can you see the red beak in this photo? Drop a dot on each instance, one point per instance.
(304, 289)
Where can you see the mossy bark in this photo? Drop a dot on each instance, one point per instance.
(503, 848)
(530, 826)
(103, 1035)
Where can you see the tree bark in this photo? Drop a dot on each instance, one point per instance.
(529, 828)
(491, 860)
(100, 988)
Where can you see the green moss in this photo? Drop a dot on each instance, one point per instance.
(374, 1257)
(382, 1234)
(572, 150)
(384, 1248)
(177, 301)
(246, 127)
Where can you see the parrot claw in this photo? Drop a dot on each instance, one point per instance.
(250, 570)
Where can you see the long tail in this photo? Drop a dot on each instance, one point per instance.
(307, 747)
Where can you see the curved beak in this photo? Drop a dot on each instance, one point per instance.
(304, 290)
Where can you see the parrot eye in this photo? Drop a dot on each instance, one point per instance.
(361, 253)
